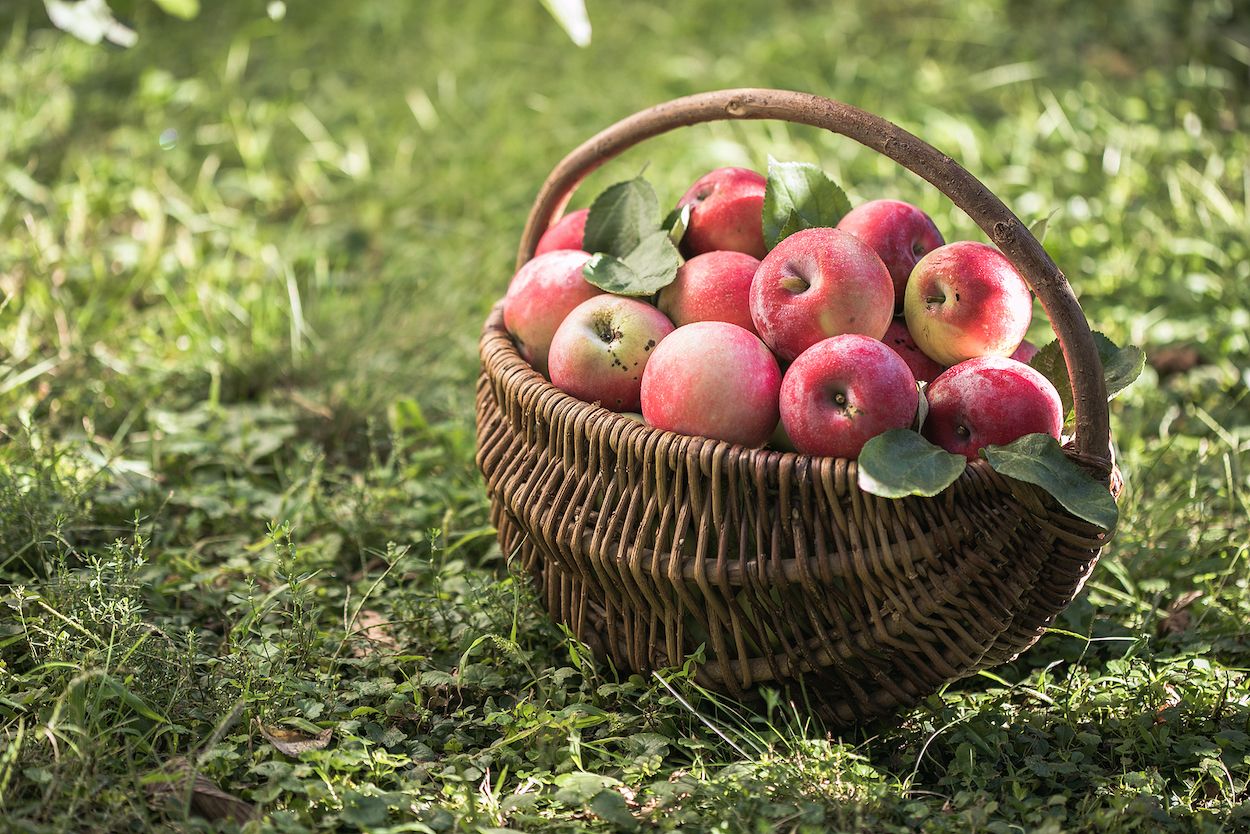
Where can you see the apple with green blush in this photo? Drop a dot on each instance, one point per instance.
(602, 347)
(965, 300)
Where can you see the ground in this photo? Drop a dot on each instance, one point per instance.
(243, 266)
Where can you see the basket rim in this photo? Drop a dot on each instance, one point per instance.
(502, 361)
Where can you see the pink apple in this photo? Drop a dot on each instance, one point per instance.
(565, 233)
(964, 300)
(900, 341)
(713, 379)
(601, 348)
(898, 232)
(714, 286)
(844, 391)
(727, 213)
(541, 294)
(819, 283)
(1025, 352)
(990, 400)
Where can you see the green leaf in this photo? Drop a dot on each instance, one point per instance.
(655, 259)
(634, 252)
(609, 274)
(578, 788)
(1038, 459)
(799, 196)
(405, 416)
(185, 9)
(1038, 227)
(1120, 367)
(572, 17)
(900, 462)
(365, 810)
(620, 217)
(130, 699)
(611, 807)
(1049, 362)
(922, 405)
(677, 222)
(648, 268)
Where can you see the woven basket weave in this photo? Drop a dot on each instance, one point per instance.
(648, 544)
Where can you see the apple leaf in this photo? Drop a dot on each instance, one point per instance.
(677, 222)
(799, 196)
(1049, 362)
(609, 273)
(1120, 367)
(900, 462)
(922, 405)
(620, 217)
(649, 267)
(1038, 459)
(634, 252)
(1038, 227)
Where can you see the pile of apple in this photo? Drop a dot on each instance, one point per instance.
(817, 345)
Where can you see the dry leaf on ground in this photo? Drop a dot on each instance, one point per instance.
(1177, 619)
(207, 800)
(294, 742)
(371, 626)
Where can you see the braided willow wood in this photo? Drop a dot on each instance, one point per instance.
(648, 544)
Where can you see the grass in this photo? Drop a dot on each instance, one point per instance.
(242, 271)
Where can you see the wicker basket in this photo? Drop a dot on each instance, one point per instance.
(647, 544)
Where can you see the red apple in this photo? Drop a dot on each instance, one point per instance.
(714, 286)
(900, 341)
(541, 294)
(1025, 352)
(844, 391)
(964, 300)
(601, 348)
(819, 283)
(713, 379)
(727, 213)
(990, 400)
(898, 232)
(565, 233)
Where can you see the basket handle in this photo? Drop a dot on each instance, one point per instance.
(967, 192)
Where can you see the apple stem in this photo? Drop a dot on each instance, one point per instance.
(935, 299)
